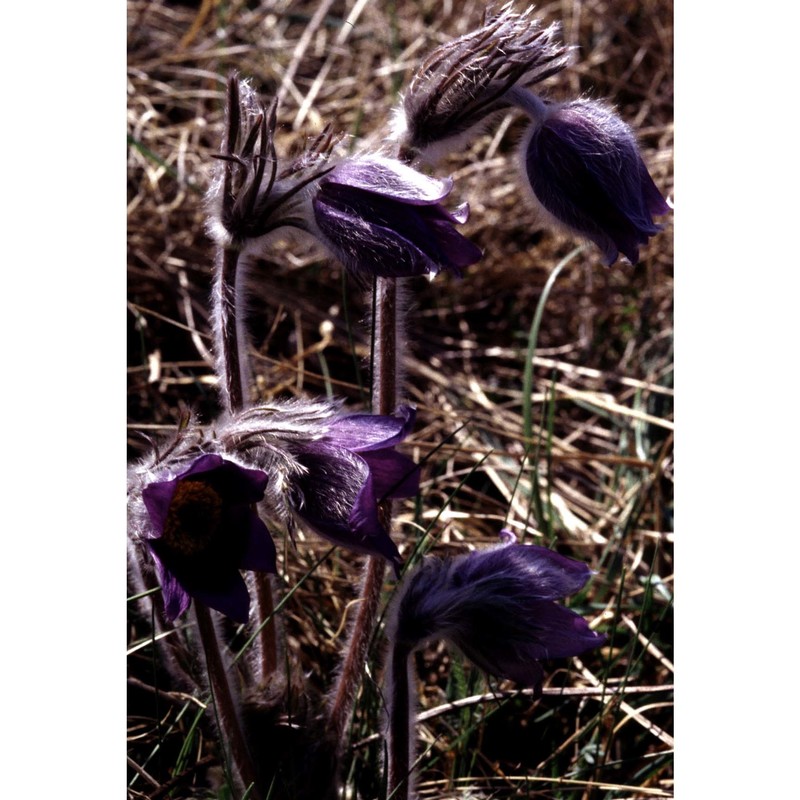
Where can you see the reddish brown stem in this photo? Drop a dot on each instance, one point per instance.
(223, 700)
(384, 400)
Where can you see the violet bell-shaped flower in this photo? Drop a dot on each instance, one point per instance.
(203, 528)
(463, 83)
(498, 607)
(582, 165)
(347, 472)
(382, 218)
(379, 217)
(327, 471)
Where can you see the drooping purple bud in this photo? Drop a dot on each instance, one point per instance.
(583, 167)
(348, 471)
(464, 82)
(203, 529)
(382, 218)
(498, 607)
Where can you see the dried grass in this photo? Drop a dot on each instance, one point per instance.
(600, 487)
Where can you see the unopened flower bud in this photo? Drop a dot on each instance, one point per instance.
(584, 171)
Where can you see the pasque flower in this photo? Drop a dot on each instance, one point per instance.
(381, 217)
(347, 472)
(583, 167)
(498, 607)
(375, 214)
(327, 470)
(203, 528)
(464, 82)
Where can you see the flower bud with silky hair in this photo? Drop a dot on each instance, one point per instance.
(463, 84)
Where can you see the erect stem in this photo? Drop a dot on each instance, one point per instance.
(223, 699)
(384, 400)
(268, 645)
(228, 329)
(399, 732)
(234, 374)
(384, 381)
(356, 652)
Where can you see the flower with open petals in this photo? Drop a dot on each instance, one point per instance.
(347, 472)
(203, 530)
(381, 217)
(584, 169)
(498, 607)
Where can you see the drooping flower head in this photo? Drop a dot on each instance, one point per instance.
(348, 471)
(464, 82)
(328, 471)
(203, 529)
(498, 607)
(375, 214)
(381, 217)
(583, 167)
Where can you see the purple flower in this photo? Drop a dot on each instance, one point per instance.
(498, 607)
(584, 169)
(381, 217)
(205, 529)
(347, 472)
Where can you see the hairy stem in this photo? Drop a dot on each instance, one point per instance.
(400, 733)
(384, 400)
(267, 639)
(346, 690)
(228, 329)
(233, 368)
(223, 699)
(384, 379)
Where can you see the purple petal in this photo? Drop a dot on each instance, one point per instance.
(176, 598)
(366, 526)
(654, 200)
(562, 633)
(387, 236)
(260, 554)
(365, 246)
(157, 498)
(461, 252)
(503, 662)
(393, 474)
(512, 651)
(541, 573)
(205, 463)
(336, 498)
(230, 596)
(460, 214)
(237, 484)
(361, 432)
(389, 178)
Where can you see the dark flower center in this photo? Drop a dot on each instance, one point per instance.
(193, 518)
